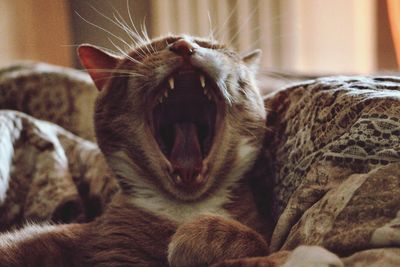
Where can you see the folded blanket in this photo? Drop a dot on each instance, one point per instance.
(334, 146)
(47, 173)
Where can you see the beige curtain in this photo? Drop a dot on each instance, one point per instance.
(311, 36)
(35, 30)
(394, 18)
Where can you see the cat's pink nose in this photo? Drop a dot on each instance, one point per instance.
(183, 48)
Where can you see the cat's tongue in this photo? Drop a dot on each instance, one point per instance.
(186, 156)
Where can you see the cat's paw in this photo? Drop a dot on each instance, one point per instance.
(209, 239)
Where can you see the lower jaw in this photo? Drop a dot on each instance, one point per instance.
(187, 195)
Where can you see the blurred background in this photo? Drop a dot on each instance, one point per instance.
(301, 36)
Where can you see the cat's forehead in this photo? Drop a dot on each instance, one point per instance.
(162, 42)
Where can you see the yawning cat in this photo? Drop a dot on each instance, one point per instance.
(180, 122)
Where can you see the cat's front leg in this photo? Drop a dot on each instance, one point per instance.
(209, 239)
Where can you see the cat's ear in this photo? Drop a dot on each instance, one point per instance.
(98, 63)
(252, 59)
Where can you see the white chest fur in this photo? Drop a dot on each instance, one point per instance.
(150, 199)
(178, 211)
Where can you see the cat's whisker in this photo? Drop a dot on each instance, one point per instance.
(210, 28)
(120, 19)
(223, 27)
(123, 27)
(122, 24)
(114, 76)
(135, 33)
(146, 35)
(118, 71)
(134, 36)
(142, 39)
(101, 28)
(129, 12)
(131, 35)
(144, 30)
(98, 46)
(239, 30)
(125, 54)
(225, 93)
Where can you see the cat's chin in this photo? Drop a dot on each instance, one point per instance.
(187, 194)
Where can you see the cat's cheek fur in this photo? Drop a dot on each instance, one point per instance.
(209, 239)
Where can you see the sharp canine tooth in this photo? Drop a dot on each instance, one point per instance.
(198, 178)
(171, 83)
(205, 91)
(160, 100)
(166, 93)
(202, 81)
(178, 179)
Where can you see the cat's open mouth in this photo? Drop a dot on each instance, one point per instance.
(184, 122)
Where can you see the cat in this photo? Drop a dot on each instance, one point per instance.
(181, 123)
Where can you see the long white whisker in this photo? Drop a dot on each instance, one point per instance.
(222, 28)
(123, 27)
(146, 35)
(98, 46)
(225, 93)
(121, 21)
(118, 71)
(134, 36)
(135, 32)
(133, 25)
(242, 26)
(115, 76)
(125, 54)
(127, 30)
(210, 28)
(107, 31)
(129, 12)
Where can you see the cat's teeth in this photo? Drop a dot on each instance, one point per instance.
(202, 81)
(171, 83)
(205, 91)
(166, 94)
(209, 97)
(199, 178)
(160, 100)
(178, 179)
